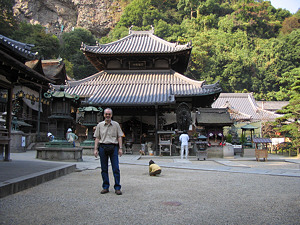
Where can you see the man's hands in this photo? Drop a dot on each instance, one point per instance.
(96, 153)
(120, 152)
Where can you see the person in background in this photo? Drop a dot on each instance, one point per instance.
(71, 137)
(184, 139)
(108, 144)
(143, 144)
(50, 136)
(154, 169)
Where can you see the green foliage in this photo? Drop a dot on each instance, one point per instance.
(243, 139)
(287, 80)
(45, 44)
(70, 50)
(72, 41)
(188, 7)
(257, 19)
(236, 42)
(290, 24)
(7, 21)
(135, 13)
(216, 7)
(290, 122)
(229, 138)
(69, 68)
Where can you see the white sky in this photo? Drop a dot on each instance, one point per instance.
(291, 5)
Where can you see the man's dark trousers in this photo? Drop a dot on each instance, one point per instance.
(114, 159)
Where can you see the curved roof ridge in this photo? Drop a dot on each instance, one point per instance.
(24, 49)
(252, 102)
(189, 80)
(84, 46)
(146, 37)
(74, 83)
(141, 31)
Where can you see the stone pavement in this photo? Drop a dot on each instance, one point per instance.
(26, 171)
(215, 191)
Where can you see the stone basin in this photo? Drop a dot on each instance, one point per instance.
(59, 154)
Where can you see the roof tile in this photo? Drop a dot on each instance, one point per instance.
(138, 87)
(137, 42)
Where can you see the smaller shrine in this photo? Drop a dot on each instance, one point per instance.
(211, 122)
(248, 142)
(63, 112)
(88, 117)
(63, 109)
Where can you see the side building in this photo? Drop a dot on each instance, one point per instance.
(24, 78)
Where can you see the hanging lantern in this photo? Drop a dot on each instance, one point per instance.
(20, 94)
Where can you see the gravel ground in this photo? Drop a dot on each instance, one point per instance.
(177, 196)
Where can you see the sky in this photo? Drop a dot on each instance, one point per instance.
(291, 5)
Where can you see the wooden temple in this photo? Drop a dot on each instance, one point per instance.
(141, 78)
(21, 89)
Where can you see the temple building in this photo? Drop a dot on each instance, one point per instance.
(24, 78)
(21, 102)
(141, 78)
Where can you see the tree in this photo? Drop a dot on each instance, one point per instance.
(290, 122)
(70, 50)
(188, 6)
(290, 24)
(288, 79)
(114, 35)
(135, 13)
(257, 19)
(69, 68)
(45, 44)
(7, 21)
(71, 42)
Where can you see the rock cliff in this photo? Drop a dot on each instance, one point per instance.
(58, 16)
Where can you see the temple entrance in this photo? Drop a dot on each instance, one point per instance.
(134, 128)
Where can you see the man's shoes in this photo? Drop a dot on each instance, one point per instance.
(118, 192)
(104, 191)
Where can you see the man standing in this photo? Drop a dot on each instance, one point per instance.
(108, 135)
(184, 139)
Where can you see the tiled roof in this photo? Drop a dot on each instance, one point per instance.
(213, 116)
(262, 140)
(138, 87)
(53, 69)
(243, 105)
(137, 42)
(20, 48)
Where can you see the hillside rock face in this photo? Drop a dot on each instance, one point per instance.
(57, 16)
